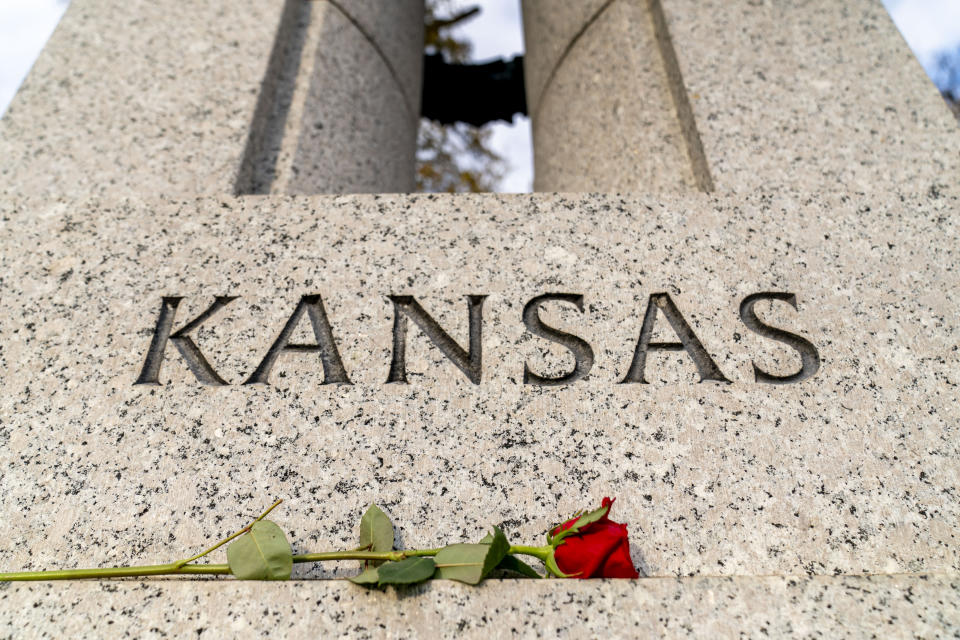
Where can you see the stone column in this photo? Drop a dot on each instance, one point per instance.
(216, 96)
(810, 96)
(346, 108)
(139, 98)
(667, 95)
(599, 93)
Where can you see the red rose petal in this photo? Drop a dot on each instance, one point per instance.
(600, 549)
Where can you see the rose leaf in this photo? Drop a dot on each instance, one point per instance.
(409, 571)
(471, 563)
(262, 553)
(376, 531)
(581, 522)
(516, 565)
(369, 576)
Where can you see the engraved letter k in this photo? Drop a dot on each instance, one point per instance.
(184, 343)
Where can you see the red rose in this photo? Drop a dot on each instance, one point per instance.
(598, 550)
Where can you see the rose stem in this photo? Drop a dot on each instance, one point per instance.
(173, 568)
(181, 568)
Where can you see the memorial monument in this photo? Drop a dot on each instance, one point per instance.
(731, 304)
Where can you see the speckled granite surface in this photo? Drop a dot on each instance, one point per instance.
(219, 96)
(550, 26)
(768, 607)
(351, 128)
(814, 95)
(851, 471)
(632, 140)
(811, 95)
(139, 97)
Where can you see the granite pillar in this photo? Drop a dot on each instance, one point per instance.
(213, 97)
(813, 96)
(345, 106)
(601, 58)
(674, 95)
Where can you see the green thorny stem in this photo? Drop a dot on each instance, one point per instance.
(183, 567)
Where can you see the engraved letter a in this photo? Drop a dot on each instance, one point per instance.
(184, 343)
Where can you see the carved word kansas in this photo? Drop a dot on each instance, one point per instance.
(470, 360)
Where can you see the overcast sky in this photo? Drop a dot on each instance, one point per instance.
(25, 26)
(498, 33)
(929, 26)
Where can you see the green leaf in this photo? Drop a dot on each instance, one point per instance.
(463, 562)
(262, 553)
(516, 565)
(376, 532)
(369, 576)
(409, 571)
(512, 563)
(582, 521)
(498, 550)
(471, 563)
(589, 518)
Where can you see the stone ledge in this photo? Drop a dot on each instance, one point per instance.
(918, 605)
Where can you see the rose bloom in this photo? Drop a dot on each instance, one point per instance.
(598, 550)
